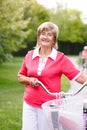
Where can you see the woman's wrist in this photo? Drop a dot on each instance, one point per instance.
(29, 81)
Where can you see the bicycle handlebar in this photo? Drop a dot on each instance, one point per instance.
(61, 94)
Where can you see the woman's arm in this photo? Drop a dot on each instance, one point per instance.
(81, 78)
(28, 80)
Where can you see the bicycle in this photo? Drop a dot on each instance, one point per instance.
(65, 112)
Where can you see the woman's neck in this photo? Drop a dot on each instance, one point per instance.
(44, 52)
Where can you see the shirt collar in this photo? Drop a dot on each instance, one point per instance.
(52, 55)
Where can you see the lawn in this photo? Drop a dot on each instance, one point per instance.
(11, 94)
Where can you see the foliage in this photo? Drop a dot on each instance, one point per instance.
(11, 94)
(70, 24)
(18, 22)
(84, 34)
(11, 35)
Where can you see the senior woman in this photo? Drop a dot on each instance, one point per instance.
(46, 64)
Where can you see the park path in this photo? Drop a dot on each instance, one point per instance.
(74, 86)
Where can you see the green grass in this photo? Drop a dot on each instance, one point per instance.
(65, 83)
(11, 94)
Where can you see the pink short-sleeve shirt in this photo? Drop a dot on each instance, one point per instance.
(56, 64)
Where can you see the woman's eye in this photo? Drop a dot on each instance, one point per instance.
(47, 34)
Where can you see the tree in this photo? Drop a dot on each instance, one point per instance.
(11, 34)
(18, 22)
(70, 24)
(84, 34)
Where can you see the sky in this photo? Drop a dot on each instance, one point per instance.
(80, 5)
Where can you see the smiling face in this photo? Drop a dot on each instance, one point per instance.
(47, 34)
(46, 38)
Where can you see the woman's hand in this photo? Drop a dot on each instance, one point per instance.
(33, 82)
(28, 80)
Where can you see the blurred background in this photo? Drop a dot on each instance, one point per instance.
(19, 20)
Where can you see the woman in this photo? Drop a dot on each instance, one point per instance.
(46, 64)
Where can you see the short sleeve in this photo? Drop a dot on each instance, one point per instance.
(24, 69)
(68, 68)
